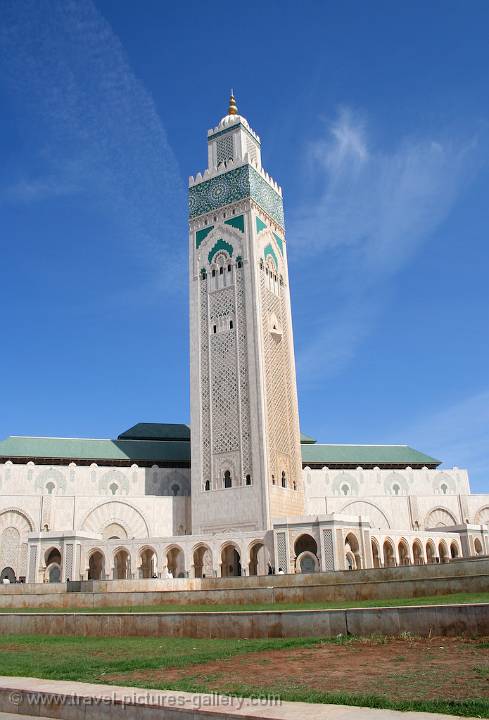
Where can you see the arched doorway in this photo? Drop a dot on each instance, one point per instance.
(175, 561)
(306, 554)
(149, 563)
(258, 564)
(307, 563)
(96, 566)
(389, 554)
(454, 551)
(305, 543)
(53, 565)
(353, 558)
(403, 551)
(443, 552)
(430, 552)
(230, 561)
(122, 565)
(375, 553)
(203, 562)
(54, 573)
(417, 553)
(8, 574)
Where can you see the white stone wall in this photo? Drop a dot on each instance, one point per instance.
(99, 501)
(91, 480)
(425, 498)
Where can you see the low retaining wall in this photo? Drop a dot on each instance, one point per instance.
(455, 620)
(385, 583)
(82, 701)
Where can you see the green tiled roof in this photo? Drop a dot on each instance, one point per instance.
(156, 431)
(305, 439)
(360, 455)
(158, 444)
(87, 449)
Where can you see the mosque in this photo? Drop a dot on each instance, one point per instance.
(241, 491)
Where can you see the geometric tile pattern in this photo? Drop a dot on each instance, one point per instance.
(239, 183)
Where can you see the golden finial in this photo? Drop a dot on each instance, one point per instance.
(233, 108)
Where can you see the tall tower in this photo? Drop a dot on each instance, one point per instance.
(246, 464)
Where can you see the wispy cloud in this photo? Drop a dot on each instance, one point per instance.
(458, 434)
(99, 133)
(34, 189)
(367, 213)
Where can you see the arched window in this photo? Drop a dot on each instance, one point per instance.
(50, 487)
(444, 488)
(396, 489)
(345, 489)
(273, 479)
(207, 485)
(248, 479)
(175, 489)
(227, 479)
(294, 485)
(284, 479)
(113, 487)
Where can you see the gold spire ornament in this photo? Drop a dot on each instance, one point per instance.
(233, 108)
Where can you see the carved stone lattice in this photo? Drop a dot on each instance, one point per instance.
(224, 376)
(282, 551)
(9, 548)
(69, 562)
(279, 389)
(244, 388)
(328, 549)
(225, 420)
(224, 148)
(205, 384)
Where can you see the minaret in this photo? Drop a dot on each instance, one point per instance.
(246, 464)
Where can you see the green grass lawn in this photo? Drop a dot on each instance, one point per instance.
(174, 607)
(97, 659)
(90, 659)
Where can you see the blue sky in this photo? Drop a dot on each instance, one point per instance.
(373, 118)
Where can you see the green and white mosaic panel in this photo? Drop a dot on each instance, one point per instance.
(233, 186)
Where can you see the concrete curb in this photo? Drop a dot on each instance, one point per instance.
(65, 700)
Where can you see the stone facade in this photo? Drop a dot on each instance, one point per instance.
(69, 522)
(245, 428)
(241, 498)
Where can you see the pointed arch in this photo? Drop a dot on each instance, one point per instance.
(220, 246)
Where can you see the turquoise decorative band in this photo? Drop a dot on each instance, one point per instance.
(201, 235)
(270, 251)
(260, 225)
(279, 243)
(242, 182)
(236, 222)
(220, 245)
